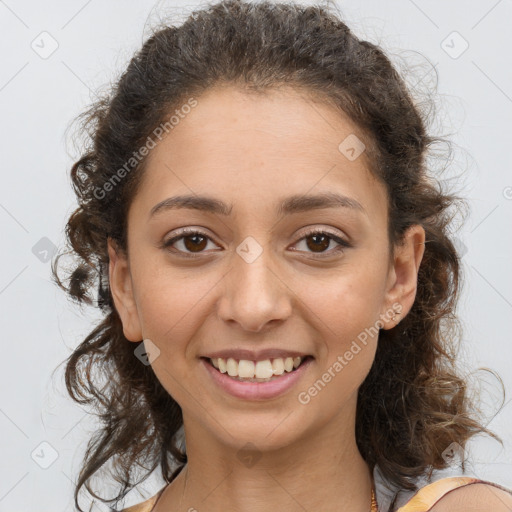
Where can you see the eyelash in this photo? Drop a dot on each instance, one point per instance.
(343, 244)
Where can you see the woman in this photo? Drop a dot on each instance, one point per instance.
(276, 274)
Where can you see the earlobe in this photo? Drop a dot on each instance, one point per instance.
(403, 276)
(122, 292)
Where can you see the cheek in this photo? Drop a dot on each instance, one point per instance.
(347, 312)
(170, 310)
(171, 305)
(350, 300)
(349, 333)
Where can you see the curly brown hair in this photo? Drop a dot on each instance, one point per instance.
(413, 404)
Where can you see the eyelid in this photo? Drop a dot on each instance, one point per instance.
(342, 241)
(184, 232)
(317, 229)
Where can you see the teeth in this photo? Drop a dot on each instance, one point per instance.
(222, 365)
(263, 369)
(245, 369)
(232, 367)
(278, 366)
(256, 369)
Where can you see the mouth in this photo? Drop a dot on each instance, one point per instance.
(266, 370)
(266, 379)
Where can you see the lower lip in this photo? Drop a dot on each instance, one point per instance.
(257, 390)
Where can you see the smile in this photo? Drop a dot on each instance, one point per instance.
(256, 370)
(256, 380)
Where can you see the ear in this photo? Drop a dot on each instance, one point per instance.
(122, 292)
(403, 276)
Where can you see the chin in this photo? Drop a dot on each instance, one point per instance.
(264, 433)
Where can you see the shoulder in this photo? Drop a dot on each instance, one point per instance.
(460, 494)
(477, 497)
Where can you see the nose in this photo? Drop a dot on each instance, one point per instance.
(253, 294)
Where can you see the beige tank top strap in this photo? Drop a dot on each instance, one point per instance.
(422, 501)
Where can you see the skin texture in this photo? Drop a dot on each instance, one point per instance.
(475, 498)
(253, 152)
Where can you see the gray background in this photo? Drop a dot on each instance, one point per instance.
(39, 96)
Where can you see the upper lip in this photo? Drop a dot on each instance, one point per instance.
(255, 355)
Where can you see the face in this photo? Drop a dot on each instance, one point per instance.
(287, 256)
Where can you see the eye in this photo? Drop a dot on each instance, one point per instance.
(193, 242)
(318, 240)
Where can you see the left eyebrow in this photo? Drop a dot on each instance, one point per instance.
(293, 204)
(299, 203)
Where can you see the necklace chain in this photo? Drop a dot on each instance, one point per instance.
(374, 507)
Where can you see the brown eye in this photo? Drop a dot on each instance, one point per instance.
(190, 243)
(187, 243)
(317, 242)
(194, 242)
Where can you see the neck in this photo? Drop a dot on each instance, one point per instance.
(323, 471)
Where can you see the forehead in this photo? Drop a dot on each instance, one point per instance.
(229, 119)
(256, 147)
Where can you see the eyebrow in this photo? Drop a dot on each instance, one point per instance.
(293, 204)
